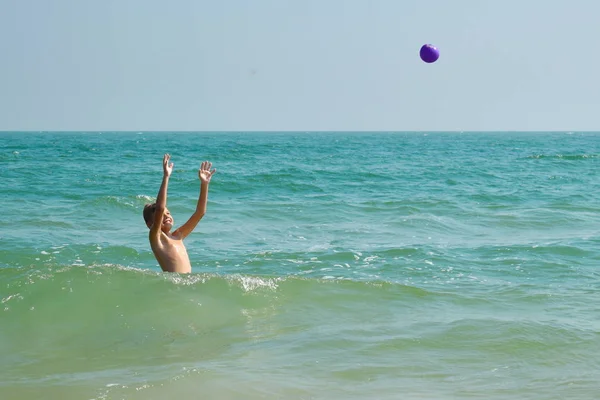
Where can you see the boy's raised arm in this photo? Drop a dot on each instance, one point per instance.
(205, 174)
(161, 198)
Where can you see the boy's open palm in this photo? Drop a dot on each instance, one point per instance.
(204, 173)
(167, 168)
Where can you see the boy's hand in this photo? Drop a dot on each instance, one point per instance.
(204, 173)
(167, 168)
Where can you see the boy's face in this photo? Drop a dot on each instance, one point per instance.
(167, 222)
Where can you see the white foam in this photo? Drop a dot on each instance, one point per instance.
(250, 283)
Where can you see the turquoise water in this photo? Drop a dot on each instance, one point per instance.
(328, 266)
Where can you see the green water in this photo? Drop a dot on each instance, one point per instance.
(328, 266)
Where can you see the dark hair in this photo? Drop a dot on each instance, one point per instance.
(148, 211)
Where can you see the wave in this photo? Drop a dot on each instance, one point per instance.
(139, 288)
(123, 202)
(570, 157)
(117, 330)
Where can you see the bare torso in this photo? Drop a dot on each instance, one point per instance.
(171, 254)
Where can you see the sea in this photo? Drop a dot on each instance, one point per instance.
(329, 265)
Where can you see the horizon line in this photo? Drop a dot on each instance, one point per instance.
(299, 131)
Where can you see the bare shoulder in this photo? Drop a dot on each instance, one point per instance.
(176, 235)
(167, 238)
(155, 240)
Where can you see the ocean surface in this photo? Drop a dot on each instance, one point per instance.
(328, 266)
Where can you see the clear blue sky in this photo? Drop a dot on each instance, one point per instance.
(299, 65)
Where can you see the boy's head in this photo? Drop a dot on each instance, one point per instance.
(150, 209)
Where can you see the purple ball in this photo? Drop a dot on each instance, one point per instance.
(429, 53)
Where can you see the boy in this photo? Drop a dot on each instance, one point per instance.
(168, 247)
